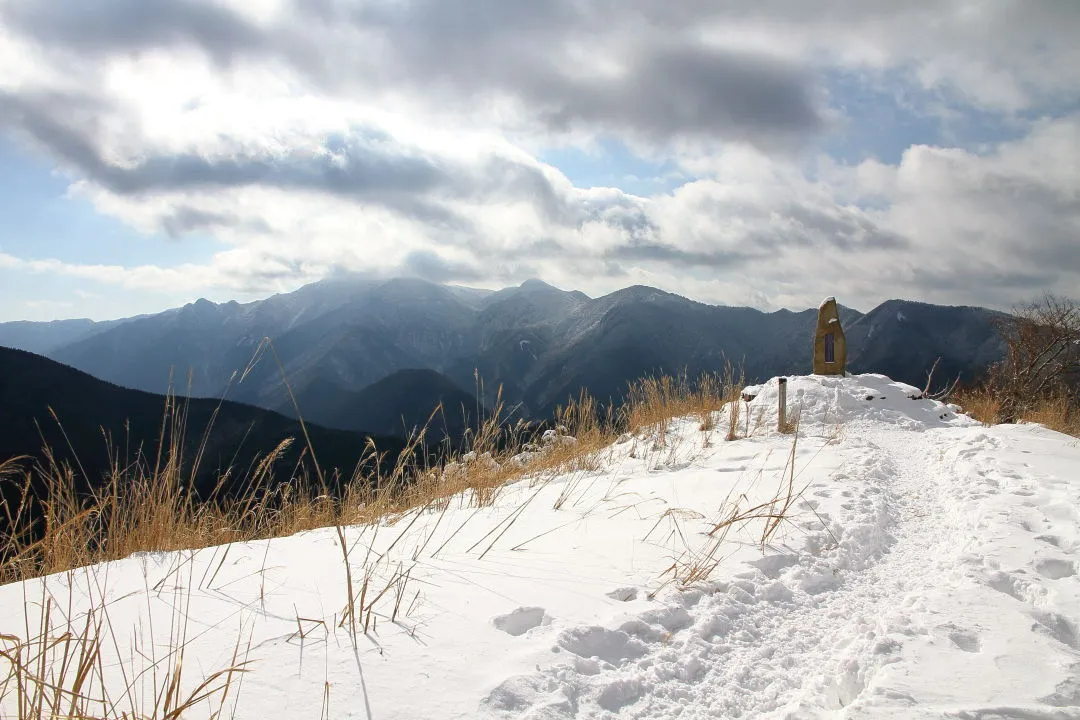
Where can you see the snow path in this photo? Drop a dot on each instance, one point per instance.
(743, 648)
(1004, 590)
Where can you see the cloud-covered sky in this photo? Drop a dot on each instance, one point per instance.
(761, 153)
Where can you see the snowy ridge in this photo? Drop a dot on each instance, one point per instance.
(929, 570)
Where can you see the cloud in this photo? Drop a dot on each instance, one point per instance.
(361, 164)
(1005, 223)
(356, 164)
(561, 65)
(402, 137)
(142, 277)
(693, 92)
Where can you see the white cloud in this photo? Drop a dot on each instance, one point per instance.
(140, 277)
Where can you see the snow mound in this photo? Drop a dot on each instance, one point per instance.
(821, 400)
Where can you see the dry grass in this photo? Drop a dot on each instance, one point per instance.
(653, 402)
(982, 403)
(1054, 411)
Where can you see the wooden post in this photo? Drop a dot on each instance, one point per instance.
(782, 419)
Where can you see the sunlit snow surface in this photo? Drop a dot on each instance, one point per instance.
(929, 570)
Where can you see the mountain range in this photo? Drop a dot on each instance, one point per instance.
(349, 346)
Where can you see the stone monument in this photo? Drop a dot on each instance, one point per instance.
(830, 345)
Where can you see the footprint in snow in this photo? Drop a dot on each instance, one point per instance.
(620, 693)
(963, 638)
(521, 620)
(623, 594)
(1055, 568)
(611, 646)
(1057, 626)
(772, 565)
(1011, 585)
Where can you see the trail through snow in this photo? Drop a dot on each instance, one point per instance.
(930, 570)
(803, 635)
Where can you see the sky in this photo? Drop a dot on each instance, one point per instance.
(763, 153)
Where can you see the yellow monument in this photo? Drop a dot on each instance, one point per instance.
(830, 346)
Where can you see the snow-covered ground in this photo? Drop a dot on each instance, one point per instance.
(928, 569)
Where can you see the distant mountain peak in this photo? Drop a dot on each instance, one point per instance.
(645, 293)
(536, 284)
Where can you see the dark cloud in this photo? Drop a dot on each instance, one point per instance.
(690, 91)
(658, 252)
(469, 51)
(828, 230)
(184, 220)
(358, 166)
(983, 283)
(670, 85)
(839, 230)
(616, 210)
(107, 26)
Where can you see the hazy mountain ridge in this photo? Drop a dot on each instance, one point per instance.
(43, 337)
(538, 343)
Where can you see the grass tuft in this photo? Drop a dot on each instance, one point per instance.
(1055, 411)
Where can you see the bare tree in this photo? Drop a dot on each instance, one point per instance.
(1042, 340)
